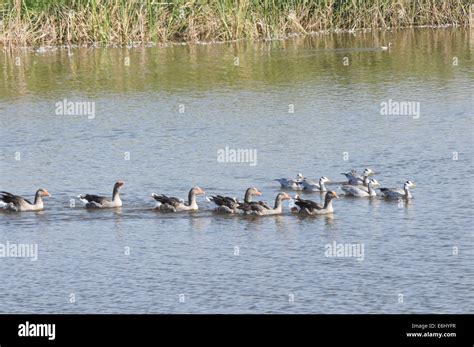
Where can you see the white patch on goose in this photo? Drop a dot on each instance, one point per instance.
(81, 197)
(8, 206)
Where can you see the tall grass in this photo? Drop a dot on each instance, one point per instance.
(121, 22)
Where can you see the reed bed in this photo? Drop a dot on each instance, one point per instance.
(126, 22)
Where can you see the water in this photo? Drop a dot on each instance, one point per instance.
(422, 250)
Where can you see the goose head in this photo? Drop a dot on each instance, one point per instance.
(324, 179)
(43, 193)
(118, 185)
(368, 172)
(283, 196)
(331, 195)
(408, 185)
(197, 191)
(252, 191)
(299, 177)
(373, 182)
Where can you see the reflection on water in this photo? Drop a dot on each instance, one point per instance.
(204, 67)
(118, 220)
(159, 124)
(199, 224)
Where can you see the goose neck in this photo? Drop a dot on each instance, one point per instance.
(322, 186)
(327, 203)
(248, 196)
(116, 194)
(192, 198)
(278, 203)
(38, 199)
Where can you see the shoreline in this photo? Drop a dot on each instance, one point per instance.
(51, 48)
(114, 23)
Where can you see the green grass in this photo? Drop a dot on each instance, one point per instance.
(121, 22)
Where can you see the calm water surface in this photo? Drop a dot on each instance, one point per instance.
(422, 250)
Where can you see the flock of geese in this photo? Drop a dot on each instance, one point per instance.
(358, 186)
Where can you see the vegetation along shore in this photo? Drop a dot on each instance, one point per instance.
(125, 22)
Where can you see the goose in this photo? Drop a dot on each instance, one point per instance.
(312, 186)
(398, 193)
(172, 204)
(361, 192)
(309, 207)
(230, 205)
(386, 48)
(261, 208)
(96, 201)
(366, 177)
(18, 203)
(288, 183)
(365, 184)
(354, 179)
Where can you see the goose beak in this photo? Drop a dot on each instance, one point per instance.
(258, 193)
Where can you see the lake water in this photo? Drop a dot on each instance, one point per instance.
(170, 110)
